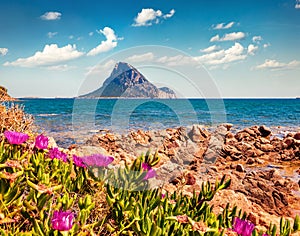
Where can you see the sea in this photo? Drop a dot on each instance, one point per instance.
(74, 120)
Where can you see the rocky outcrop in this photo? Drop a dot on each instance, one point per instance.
(4, 96)
(253, 158)
(256, 143)
(126, 81)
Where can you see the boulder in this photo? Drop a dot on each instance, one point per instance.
(264, 131)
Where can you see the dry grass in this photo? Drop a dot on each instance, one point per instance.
(13, 117)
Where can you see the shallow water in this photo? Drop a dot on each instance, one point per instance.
(76, 118)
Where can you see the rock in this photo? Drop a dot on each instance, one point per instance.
(228, 126)
(264, 140)
(190, 179)
(88, 150)
(51, 142)
(250, 131)
(198, 134)
(253, 218)
(250, 161)
(297, 136)
(240, 136)
(264, 131)
(289, 141)
(266, 147)
(231, 151)
(240, 168)
(127, 81)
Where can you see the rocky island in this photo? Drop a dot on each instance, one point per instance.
(127, 82)
(4, 96)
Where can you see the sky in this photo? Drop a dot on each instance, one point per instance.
(62, 48)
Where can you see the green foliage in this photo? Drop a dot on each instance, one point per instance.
(138, 210)
(105, 201)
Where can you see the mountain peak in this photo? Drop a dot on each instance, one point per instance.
(127, 81)
(120, 68)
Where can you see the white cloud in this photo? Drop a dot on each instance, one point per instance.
(107, 45)
(169, 15)
(228, 37)
(210, 49)
(297, 6)
(51, 34)
(233, 36)
(51, 16)
(178, 60)
(3, 51)
(71, 37)
(50, 55)
(215, 38)
(101, 69)
(214, 59)
(232, 54)
(91, 33)
(148, 16)
(223, 26)
(256, 39)
(266, 45)
(276, 65)
(60, 68)
(141, 57)
(252, 49)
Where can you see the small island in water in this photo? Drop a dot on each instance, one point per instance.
(127, 82)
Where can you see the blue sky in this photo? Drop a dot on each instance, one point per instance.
(50, 48)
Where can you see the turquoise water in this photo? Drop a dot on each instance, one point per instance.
(59, 117)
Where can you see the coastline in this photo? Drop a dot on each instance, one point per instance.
(264, 168)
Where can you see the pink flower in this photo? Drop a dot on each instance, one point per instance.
(243, 227)
(55, 153)
(62, 220)
(78, 161)
(41, 142)
(151, 173)
(146, 166)
(97, 160)
(14, 137)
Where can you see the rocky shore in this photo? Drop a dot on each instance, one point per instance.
(4, 96)
(264, 169)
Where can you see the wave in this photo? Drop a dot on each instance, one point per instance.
(46, 115)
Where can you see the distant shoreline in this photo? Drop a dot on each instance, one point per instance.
(142, 98)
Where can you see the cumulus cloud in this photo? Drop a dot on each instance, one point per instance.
(266, 45)
(297, 6)
(149, 16)
(228, 37)
(252, 49)
(256, 39)
(210, 49)
(141, 57)
(50, 55)
(51, 34)
(3, 51)
(232, 54)
(105, 45)
(223, 25)
(214, 58)
(276, 65)
(51, 15)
